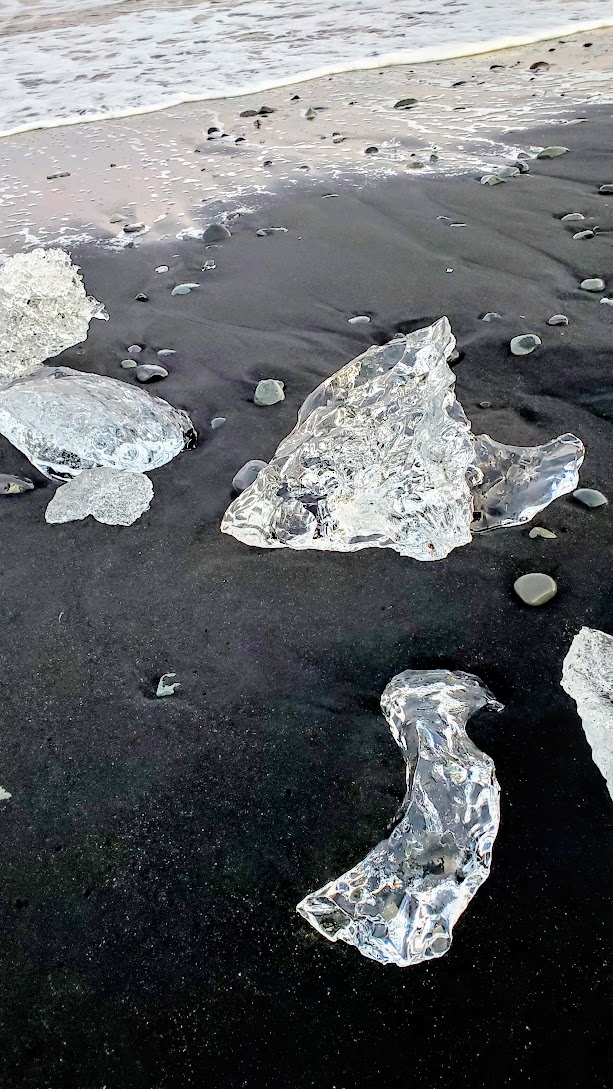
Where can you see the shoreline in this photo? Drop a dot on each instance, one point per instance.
(164, 169)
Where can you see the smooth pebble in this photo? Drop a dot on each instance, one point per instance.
(535, 588)
(491, 316)
(524, 344)
(147, 371)
(135, 349)
(551, 152)
(246, 475)
(583, 234)
(590, 497)
(215, 232)
(218, 421)
(539, 531)
(14, 485)
(165, 352)
(161, 268)
(608, 188)
(572, 217)
(558, 319)
(593, 283)
(491, 179)
(183, 289)
(360, 319)
(128, 364)
(268, 392)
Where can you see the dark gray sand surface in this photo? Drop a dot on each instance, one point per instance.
(153, 851)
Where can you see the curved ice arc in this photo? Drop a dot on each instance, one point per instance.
(383, 456)
(400, 904)
(44, 309)
(378, 458)
(519, 481)
(587, 676)
(65, 421)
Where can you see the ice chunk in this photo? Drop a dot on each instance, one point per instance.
(65, 421)
(383, 456)
(519, 481)
(43, 310)
(111, 496)
(587, 676)
(400, 904)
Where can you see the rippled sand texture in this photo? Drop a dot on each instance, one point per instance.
(168, 171)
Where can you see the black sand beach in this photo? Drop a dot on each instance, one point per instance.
(153, 851)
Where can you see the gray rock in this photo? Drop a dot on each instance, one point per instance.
(491, 179)
(405, 103)
(509, 172)
(524, 344)
(246, 475)
(135, 349)
(165, 352)
(218, 421)
(522, 166)
(216, 232)
(539, 531)
(128, 364)
(310, 114)
(148, 371)
(491, 316)
(372, 150)
(606, 188)
(572, 217)
(535, 588)
(593, 283)
(551, 152)
(14, 485)
(338, 139)
(359, 319)
(558, 319)
(132, 228)
(590, 497)
(183, 289)
(268, 392)
(583, 234)
(58, 174)
(248, 113)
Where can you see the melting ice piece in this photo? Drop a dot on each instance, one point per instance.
(383, 456)
(519, 481)
(587, 676)
(400, 904)
(65, 421)
(111, 496)
(43, 310)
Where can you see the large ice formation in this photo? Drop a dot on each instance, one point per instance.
(383, 456)
(400, 904)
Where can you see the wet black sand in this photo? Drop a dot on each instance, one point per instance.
(153, 851)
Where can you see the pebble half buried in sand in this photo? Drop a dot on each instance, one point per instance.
(551, 152)
(590, 497)
(593, 283)
(535, 588)
(540, 531)
(14, 485)
(557, 319)
(148, 371)
(247, 474)
(525, 343)
(268, 392)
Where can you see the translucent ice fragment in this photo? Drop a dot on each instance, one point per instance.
(519, 481)
(43, 310)
(165, 688)
(587, 676)
(65, 421)
(378, 458)
(111, 496)
(383, 456)
(400, 904)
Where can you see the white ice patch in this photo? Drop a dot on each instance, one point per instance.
(111, 496)
(587, 676)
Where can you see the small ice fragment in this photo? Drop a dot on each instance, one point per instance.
(65, 421)
(491, 316)
(509, 172)
(183, 289)
(208, 266)
(4, 795)
(608, 188)
(132, 228)
(58, 174)
(590, 497)
(111, 496)
(218, 421)
(400, 904)
(268, 392)
(148, 371)
(164, 688)
(263, 231)
(14, 485)
(551, 152)
(607, 302)
(43, 310)
(535, 588)
(558, 319)
(572, 217)
(161, 268)
(135, 349)
(587, 676)
(492, 179)
(165, 352)
(191, 234)
(593, 283)
(583, 234)
(128, 364)
(360, 319)
(524, 344)
(246, 475)
(405, 103)
(539, 531)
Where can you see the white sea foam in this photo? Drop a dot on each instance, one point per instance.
(64, 62)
